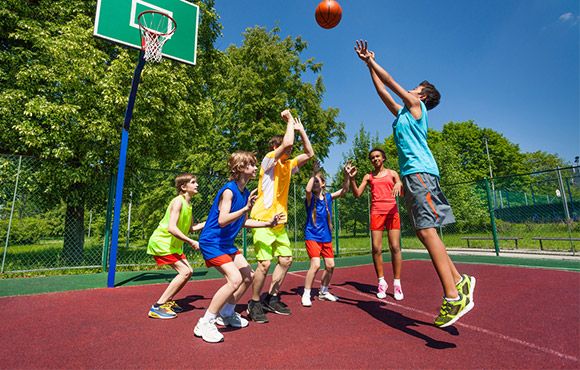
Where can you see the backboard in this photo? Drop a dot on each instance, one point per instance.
(116, 20)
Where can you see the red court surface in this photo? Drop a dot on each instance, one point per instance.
(523, 318)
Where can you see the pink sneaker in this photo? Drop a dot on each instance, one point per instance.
(398, 292)
(382, 288)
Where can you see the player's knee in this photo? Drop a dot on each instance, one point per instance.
(186, 273)
(377, 250)
(395, 248)
(329, 265)
(264, 266)
(235, 282)
(285, 262)
(315, 265)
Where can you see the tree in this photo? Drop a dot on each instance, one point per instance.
(64, 99)
(252, 84)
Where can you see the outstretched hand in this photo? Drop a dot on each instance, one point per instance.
(350, 169)
(286, 115)
(194, 244)
(362, 50)
(298, 125)
(251, 200)
(279, 218)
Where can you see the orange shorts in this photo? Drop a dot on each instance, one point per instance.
(221, 260)
(386, 222)
(317, 249)
(169, 259)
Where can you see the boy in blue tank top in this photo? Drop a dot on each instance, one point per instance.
(426, 203)
(228, 214)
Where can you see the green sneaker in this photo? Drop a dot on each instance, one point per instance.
(451, 311)
(466, 286)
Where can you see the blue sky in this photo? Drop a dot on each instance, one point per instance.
(509, 65)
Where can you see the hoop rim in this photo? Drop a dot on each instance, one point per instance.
(144, 27)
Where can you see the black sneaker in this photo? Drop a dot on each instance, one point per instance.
(256, 312)
(274, 304)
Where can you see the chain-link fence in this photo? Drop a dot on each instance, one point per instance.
(43, 227)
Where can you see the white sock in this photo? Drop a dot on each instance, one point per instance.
(323, 289)
(306, 293)
(453, 299)
(209, 316)
(227, 310)
(397, 282)
(381, 278)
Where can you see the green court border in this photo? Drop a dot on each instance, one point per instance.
(50, 284)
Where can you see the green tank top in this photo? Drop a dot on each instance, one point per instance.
(162, 243)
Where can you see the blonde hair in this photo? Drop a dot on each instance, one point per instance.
(239, 161)
(183, 179)
(320, 175)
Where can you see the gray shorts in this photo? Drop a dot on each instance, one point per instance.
(426, 204)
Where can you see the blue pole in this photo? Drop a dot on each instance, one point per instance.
(121, 172)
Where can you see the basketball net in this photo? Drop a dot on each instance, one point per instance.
(156, 28)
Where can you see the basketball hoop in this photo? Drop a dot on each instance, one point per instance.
(156, 28)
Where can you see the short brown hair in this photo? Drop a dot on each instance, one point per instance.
(276, 141)
(238, 161)
(432, 95)
(378, 150)
(183, 179)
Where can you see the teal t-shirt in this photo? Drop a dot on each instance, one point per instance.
(411, 140)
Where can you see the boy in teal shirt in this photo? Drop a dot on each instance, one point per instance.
(426, 203)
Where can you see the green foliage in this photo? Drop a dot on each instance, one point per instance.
(27, 230)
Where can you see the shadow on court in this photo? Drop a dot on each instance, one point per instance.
(379, 310)
(160, 276)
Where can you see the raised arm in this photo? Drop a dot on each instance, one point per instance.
(357, 190)
(174, 213)
(412, 102)
(383, 93)
(308, 151)
(288, 139)
(309, 186)
(197, 227)
(225, 206)
(345, 185)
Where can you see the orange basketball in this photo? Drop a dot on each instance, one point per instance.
(328, 14)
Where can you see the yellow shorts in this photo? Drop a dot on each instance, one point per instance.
(271, 242)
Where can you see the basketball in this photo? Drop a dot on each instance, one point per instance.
(328, 14)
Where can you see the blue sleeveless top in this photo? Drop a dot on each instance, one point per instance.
(319, 231)
(214, 240)
(411, 139)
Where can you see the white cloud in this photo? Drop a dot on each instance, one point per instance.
(569, 18)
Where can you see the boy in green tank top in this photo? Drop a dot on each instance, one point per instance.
(166, 245)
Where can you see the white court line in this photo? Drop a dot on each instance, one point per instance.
(474, 328)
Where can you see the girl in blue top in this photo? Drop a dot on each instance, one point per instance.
(318, 235)
(226, 217)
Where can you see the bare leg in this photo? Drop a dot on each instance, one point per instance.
(311, 274)
(328, 271)
(259, 279)
(377, 251)
(226, 292)
(279, 274)
(396, 256)
(440, 259)
(247, 277)
(184, 272)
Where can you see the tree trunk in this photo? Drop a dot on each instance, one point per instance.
(74, 235)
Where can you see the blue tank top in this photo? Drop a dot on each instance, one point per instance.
(411, 139)
(319, 231)
(214, 240)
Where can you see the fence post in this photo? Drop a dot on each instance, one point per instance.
(336, 233)
(244, 242)
(105, 255)
(11, 214)
(492, 217)
(566, 211)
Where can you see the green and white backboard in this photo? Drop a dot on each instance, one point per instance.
(116, 21)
